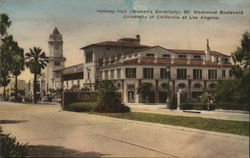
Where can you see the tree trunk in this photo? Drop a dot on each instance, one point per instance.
(16, 88)
(4, 93)
(34, 89)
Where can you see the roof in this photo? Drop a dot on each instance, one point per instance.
(56, 32)
(202, 52)
(130, 39)
(116, 43)
(193, 62)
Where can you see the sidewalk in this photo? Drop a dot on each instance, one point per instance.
(217, 114)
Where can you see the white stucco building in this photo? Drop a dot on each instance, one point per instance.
(128, 63)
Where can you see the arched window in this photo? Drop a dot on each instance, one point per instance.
(212, 85)
(182, 85)
(164, 86)
(197, 85)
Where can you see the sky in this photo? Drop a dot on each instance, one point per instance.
(80, 24)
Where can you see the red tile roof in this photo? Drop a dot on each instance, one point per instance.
(115, 43)
(160, 61)
(202, 52)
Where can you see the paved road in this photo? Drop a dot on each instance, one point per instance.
(53, 133)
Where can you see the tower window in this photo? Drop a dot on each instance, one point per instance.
(57, 63)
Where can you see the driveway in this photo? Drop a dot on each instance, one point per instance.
(53, 133)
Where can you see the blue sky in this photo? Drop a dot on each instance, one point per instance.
(80, 24)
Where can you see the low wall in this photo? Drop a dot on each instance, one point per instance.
(78, 96)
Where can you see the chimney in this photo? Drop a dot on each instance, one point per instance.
(139, 58)
(207, 52)
(156, 59)
(172, 59)
(138, 37)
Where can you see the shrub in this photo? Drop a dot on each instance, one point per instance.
(188, 105)
(108, 99)
(9, 147)
(232, 106)
(80, 106)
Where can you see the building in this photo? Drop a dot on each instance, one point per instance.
(128, 63)
(56, 61)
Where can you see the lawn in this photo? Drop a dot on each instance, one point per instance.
(224, 126)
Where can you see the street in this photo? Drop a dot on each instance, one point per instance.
(53, 133)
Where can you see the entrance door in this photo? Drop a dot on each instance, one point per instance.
(131, 96)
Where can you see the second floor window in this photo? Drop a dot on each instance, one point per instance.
(230, 73)
(130, 72)
(148, 72)
(212, 74)
(118, 73)
(223, 73)
(181, 73)
(197, 74)
(112, 74)
(89, 56)
(106, 74)
(165, 73)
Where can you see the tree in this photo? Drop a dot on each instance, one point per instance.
(236, 91)
(17, 64)
(4, 25)
(6, 61)
(36, 61)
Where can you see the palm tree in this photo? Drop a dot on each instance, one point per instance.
(6, 60)
(4, 24)
(36, 60)
(17, 64)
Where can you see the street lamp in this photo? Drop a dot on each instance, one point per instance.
(169, 78)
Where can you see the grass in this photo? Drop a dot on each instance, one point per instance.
(224, 126)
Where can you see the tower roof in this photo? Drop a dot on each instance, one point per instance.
(56, 32)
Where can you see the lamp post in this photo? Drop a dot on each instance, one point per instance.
(168, 93)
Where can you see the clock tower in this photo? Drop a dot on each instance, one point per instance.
(56, 61)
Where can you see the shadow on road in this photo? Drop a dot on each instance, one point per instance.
(12, 121)
(58, 151)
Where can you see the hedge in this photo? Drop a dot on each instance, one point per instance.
(80, 106)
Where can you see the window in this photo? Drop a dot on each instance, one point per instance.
(225, 60)
(148, 72)
(223, 73)
(130, 72)
(164, 73)
(181, 85)
(181, 73)
(212, 74)
(197, 85)
(57, 63)
(118, 73)
(106, 73)
(230, 73)
(197, 57)
(182, 56)
(89, 56)
(112, 74)
(166, 55)
(197, 74)
(100, 75)
(150, 55)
